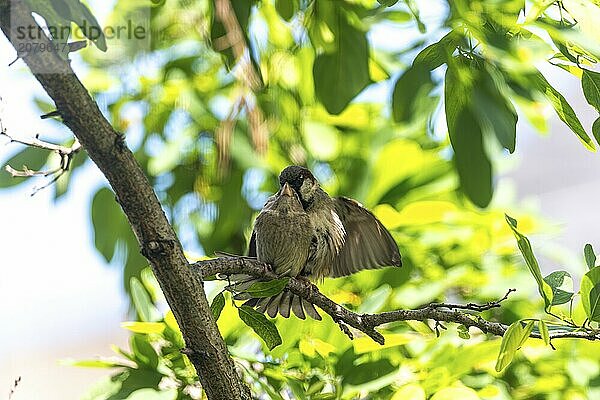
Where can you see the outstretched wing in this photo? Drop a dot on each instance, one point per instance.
(368, 243)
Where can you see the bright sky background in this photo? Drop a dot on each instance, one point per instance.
(58, 299)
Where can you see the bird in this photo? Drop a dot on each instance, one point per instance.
(345, 238)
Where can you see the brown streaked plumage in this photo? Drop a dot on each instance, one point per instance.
(345, 238)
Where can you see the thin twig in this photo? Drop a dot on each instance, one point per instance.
(366, 323)
(14, 386)
(65, 153)
(471, 306)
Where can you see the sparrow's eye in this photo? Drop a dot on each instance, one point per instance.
(301, 177)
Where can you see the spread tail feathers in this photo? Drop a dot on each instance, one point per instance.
(281, 303)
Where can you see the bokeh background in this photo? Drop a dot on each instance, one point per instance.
(60, 299)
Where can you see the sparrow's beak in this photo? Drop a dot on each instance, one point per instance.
(286, 190)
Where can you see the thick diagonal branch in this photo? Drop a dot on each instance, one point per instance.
(106, 147)
(366, 323)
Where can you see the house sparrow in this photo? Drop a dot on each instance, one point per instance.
(344, 238)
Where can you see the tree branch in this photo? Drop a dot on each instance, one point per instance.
(182, 288)
(366, 323)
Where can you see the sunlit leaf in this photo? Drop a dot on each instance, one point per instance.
(589, 291)
(343, 73)
(590, 81)
(437, 53)
(217, 305)
(544, 289)
(261, 326)
(143, 304)
(452, 393)
(514, 337)
(590, 256)
(562, 287)
(412, 391)
(563, 110)
(544, 332)
(413, 83)
(144, 327)
(267, 289)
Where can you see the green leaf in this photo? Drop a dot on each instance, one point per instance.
(217, 305)
(142, 302)
(97, 363)
(525, 246)
(589, 281)
(143, 351)
(466, 134)
(590, 256)
(268, 289)
(596, 129)
(472, 163)
(590, 81)
(286, 8)
(263, 327)
(436, 54)
(58, 15)
(563, 110)
(514, 337)
(595, 303)
(494, 111)
(30, 157)
(562, 289)
(544, 332)
(410, 86)
(463, 332)
(343, 73)
(143, 327)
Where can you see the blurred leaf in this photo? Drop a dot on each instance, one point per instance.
(544, 332)
(413, 83)
(286, 8)
(463, 332)
(98, 363)
(590, 256)
(590, 81)
(562, 289)
(142, 302)
(596, 129)
(30, 157)
(412, 391)
(563, 110)
(58, 14)
(322, 140)
(495, 112)
(261, 326)
(525, 246)
(590, 293)
(143, 351)
(466, 135)
(387, 3)
(134, 379)
(267, 289)
(514, 337)
(436, 54)
(143, 327)
(365, 344)
(595, 303)
(452, 393)
(342, 74)
(217, 305)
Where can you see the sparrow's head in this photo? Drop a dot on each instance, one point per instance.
(288, 200)
(301, 180)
